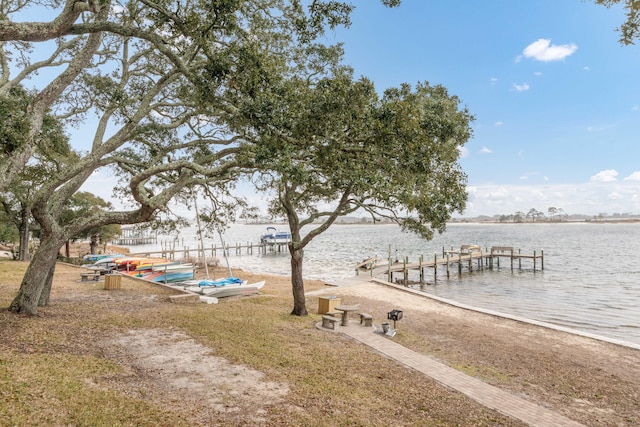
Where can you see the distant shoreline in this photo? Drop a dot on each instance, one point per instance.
(354, 221)
(578, 221)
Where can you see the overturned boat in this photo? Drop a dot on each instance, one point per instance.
(220, 288)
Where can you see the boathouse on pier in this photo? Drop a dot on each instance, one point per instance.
(133, 236)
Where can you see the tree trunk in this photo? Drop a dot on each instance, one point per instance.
(35, 278)
(24, 255)
(297, 283)
(46, 290)
(67, 248)
(93, 245)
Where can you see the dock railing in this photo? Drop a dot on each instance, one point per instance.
(466, 257)
(367, 264)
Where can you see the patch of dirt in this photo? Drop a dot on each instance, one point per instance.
(179, 366)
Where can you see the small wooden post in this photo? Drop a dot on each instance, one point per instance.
(435, 267)
(542, 259)
(519, 260)
(405, 270)
(448, 272)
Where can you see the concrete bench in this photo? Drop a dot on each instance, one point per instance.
(85, 277)
(366, 318)
(334, 313)
(329, 322)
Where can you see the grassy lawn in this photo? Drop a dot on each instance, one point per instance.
(64, 367)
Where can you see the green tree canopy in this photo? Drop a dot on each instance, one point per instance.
(162, 79)
(329, 146)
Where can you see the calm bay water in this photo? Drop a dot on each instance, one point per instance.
(590, 282)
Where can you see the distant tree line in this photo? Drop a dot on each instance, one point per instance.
(534, 215)
(554, 215)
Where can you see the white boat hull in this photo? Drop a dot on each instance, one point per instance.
(232, 290)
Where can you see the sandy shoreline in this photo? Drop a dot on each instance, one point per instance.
(533, 353)
(381, 293)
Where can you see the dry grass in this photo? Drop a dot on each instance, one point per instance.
(61, 367)
(65, 368)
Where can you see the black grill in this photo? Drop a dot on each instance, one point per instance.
(394, 315)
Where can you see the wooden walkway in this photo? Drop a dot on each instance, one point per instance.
(505, 402)
(468, 257)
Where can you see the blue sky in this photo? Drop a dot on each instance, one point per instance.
(555, 95)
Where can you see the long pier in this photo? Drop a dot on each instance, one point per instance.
(237, 249)
(468, 256)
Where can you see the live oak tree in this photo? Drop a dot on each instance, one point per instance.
(155, 76)
(52, 153)
(147, 128)
(329, 146)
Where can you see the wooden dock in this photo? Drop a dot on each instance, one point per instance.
(468, 257)
(170, 252)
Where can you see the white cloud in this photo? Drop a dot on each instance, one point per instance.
(543, 50)
(586, 68)
(493, 81)
(589, 198)
(537, 74)
(524, 178)
(635, 108)
(633, 177)
(498, 123)
(464, 151)
(521, 88)
(485, 150)
(605, 176)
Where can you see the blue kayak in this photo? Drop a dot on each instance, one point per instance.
(221, 282)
